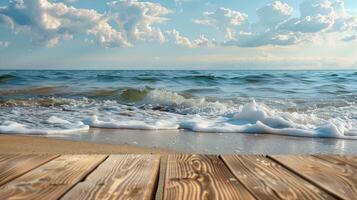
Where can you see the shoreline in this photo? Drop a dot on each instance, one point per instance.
(127, 141)
(10, 144)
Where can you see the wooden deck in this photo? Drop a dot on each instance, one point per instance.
(177, 177)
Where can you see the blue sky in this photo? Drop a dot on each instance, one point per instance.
(178, 34)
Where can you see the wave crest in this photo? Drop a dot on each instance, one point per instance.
(160, 109)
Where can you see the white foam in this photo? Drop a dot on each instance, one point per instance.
(193, 114)
(260, 119)
(130, 124)
(57, 120)
(9, 127)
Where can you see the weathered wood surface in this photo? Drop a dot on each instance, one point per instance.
(178, 177)
(120, 177)
(51, 180)
(267, 179)
(13, 166)
(351, 160)
(201, 177)
(337, 177)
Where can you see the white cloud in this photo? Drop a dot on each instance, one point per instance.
(136, 19)
(315, 16)
(265, 31)
(49, 23)
(224, 19)
(322, 16)
(308, 24)
(349, 38)
(318, 19)
(265, 38)
(4, 44)
(128, 22)
(315, 7)
(202, 41)
(275, 13)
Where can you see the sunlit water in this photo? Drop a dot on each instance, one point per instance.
(295, 103)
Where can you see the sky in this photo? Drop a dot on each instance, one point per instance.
(178, 34)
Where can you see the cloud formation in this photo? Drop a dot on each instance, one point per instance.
(316, 16)
(136, 19)
(349, 38)
(224, 19)
(126, 23)
(272, 14)
(202, 41)
(48, 23)
(280, 38)
(277, 27)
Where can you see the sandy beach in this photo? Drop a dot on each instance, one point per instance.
(30, 144)
(98, 140)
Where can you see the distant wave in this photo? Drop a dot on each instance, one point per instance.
(121, 94)
(200, 77)
(202, 90)
(243, 78)
(106, 77)
(7, 77)
(148, 78)
(36, 90)
(252, 78)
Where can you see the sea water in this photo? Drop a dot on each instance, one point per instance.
(294, 103)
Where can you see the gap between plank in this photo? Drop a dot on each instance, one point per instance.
(248, 188)
(220, 158)
(159, 191)
(303, 177)
(85, 177)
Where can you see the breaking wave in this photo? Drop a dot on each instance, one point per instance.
(161, 110)
(306, 104)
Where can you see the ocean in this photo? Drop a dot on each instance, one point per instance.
(318, 104)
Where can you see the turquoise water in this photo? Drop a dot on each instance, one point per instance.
(297, 103)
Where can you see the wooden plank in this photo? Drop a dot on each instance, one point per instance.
(53, 179)
(15, 165)
(350, 160)
(120, 177)
(267, 179)
(201, 177)
(338, 179)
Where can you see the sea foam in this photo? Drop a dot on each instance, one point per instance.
(11, 127)
(166, 110)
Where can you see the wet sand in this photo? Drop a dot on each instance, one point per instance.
(98, 140)
(35, 144)
(215, 143)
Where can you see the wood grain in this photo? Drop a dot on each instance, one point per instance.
(339, 179)
(51, 180)
(351, 160)
(201, 177)
(267, 179)
(120, 177)
(13, 166)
